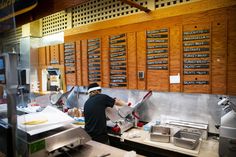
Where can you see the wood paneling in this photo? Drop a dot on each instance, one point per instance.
(222, 72)
(175, 56)
(70, 63)
(42, 56)
(141, 58)
(196, 7)
(48, 55)
(131, 61)
(61, 51)
(158, 79)
(54, 54)
(78, 61)
(219, 56)
(231, 83)
(192, 39)
(84, 63)
(105, 61)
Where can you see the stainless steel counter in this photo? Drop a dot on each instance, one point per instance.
(205, 148)
(96, 149)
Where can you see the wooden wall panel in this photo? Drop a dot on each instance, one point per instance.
(221, 76)
(141, 58)
(70, 65)
(219, 56)
(42, 56)
(48, 55)
(195, 50)
(39, 72)
(231, 83)
(78, 62)
(61, 52)
(84, 63)
(54, 54)
(105, 61)
(158, 79)
(175, 55)
(132, 61)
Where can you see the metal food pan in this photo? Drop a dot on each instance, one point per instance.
(185, 139)
(160, 134)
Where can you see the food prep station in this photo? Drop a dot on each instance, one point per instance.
(180, 95)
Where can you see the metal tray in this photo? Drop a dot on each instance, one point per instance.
(185, 139)
(160, 134)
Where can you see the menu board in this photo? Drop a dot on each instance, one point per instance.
(157, 49)
(69, 62)
(118, 61)
(196, 57)
(94, 60)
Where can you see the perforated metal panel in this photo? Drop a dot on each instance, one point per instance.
(167, 3)
(54, 23)
(100, 10)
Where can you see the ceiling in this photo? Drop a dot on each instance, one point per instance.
(31, 10)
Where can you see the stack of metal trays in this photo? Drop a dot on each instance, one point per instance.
(160, 134)
(185, 139)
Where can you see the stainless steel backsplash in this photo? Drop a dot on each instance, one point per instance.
(200, 108)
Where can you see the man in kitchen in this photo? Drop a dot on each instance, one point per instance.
(94, 112)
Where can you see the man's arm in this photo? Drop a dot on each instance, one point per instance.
(119, 102)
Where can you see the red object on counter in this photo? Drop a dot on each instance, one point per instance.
(116, 129)
(140, 124)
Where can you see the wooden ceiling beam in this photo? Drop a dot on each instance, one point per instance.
(47, 7)
(136, 5)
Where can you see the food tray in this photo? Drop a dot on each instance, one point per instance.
(185, 139)
(160, 134)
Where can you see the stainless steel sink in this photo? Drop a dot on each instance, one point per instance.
(160, 134)
(185, 139)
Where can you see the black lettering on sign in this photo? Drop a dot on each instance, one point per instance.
(118, 81)
(197, 43)
(117, 55)
(205, 55)
(118, 85)
(118, 73)
(157, 51)
(157, 46)
(93, 40)
(91, 57)
(196, 72)
(156, 57)
(196, 66)
(196, 61)
(117, 41)
(117, 36)
(157, 62)
(157, 31)
(158, 41)
(117, 50)
(117, 68)
(157, 35)
(117, 59)
(94, 52)
(197, 32)
(117, 46)
(196, 38)
(196, 49)
(196, 82)
(157, 67)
